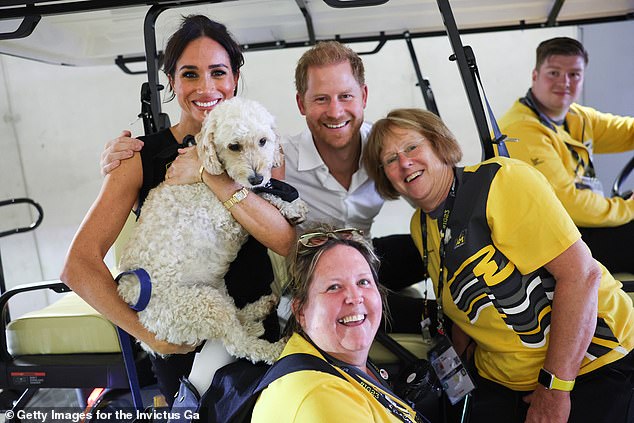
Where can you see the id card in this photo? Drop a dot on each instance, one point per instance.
(587, 182)
(450, 370)
(425, 327)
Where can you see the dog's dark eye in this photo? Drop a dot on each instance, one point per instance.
(235, 147)
(262, 142)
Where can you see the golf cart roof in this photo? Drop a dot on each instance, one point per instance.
(90, 32)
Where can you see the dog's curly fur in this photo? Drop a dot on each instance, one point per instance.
(186, 240)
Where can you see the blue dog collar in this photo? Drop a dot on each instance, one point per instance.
(146, 287)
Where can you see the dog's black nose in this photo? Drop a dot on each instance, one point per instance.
(256, 179)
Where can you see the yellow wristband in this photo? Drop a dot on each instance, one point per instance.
(550, 381)
(200, 172)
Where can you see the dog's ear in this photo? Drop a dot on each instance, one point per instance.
(278, 155)
(207, 149)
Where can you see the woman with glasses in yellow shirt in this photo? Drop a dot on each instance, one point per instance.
(552, 329)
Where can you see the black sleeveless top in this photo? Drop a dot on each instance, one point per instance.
(250, 275)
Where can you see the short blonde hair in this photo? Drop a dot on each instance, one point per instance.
(327, 53)
(429, 125)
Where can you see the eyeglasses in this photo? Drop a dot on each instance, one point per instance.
(408, 152)
(317, 239)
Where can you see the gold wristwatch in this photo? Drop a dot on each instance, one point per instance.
(237, 196)
(550, 381)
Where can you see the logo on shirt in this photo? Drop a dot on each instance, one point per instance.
(536, 161)
(461, 239)
(489, 279)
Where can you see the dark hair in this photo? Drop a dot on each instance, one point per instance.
(192, 28)
(442, 141)
(303, 264)
(327, 53)
(563, 46)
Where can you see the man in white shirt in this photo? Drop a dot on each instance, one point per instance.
(323, 164)
(355, 205)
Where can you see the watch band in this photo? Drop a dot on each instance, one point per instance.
(550, 381)
(237, 196)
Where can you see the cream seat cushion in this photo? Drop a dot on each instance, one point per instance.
(412, 342)
(68, 326)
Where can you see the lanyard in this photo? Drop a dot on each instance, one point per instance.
(375, 390)
(441, 249)
(499, 137)
(588, 169)
(388, 403)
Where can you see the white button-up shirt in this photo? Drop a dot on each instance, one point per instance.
(327, 200)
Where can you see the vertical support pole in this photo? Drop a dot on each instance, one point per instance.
(3, 284)
(130, 367)
(468, 80)
(554, 13)
(425, 87)
(152, 63)
(310, 30)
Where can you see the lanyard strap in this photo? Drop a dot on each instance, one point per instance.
(145, 287)
(449, 203)
(124, 338)
(588, 169)
(499, 137)
(392, 406)
(389, 404)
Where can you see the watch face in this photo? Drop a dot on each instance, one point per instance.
(545, 378)
(550, 381)
(242, 194)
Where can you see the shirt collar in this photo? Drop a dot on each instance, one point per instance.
(309, 157)
(530, 102)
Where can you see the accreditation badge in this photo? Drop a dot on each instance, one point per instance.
(591, 183)
(450, 370)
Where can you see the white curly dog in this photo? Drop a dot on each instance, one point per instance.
(186, 239)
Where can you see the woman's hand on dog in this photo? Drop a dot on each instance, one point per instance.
(185, 169)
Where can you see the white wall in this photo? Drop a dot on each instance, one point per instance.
(56, 119)
(609, 85)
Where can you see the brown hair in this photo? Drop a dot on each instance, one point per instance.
(327, 53)
(192, 28)
(303, 264)
(563, 46)
(426, 123)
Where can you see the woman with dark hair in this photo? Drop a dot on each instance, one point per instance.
(202, 63)
(337, 305)
(510, 270)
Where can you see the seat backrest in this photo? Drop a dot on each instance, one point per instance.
(123, 238)
(68, 326)
(280, 273)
